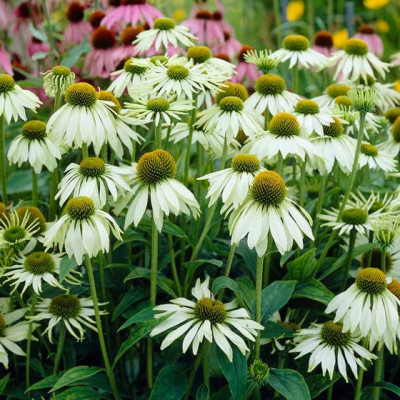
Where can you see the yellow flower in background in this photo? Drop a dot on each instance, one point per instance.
(179, 15)
(340, 37)
(382, 26)
(397, 85)
(295, 10)
(375, 4)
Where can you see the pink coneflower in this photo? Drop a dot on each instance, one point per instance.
(131, 12)
(323, 43)
(205, 28)
(127, 49)
(95, 18)
(369, 35)
(77, 28)
(37, 46)
(4, 13)
(245, 71)
(22, 16)
(218, 17)
(230, 46)
(170, 51)
(101, 59)
(5, 62)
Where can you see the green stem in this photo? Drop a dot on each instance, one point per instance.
(85, 151)
(267, 261)
(352, 241)
(378, 375)
(193, 372)
(157, 135)
(302, 187)
(29, 344)
(278, 23)
(53, 192)
(173, 265)
(34, 188)
(266, 118)
(320, 201)
(329, 395)
(383, 259)
(295, 78)
(279, 164)
(93, 293)
(206, 364)
(57, 100)
(259, 283)
(3, 162)
(370, 240)
(104, 154)
(189, 143)
(228, 266)
(60, 346)
(211, 211)
(357, 394)
(166, 141)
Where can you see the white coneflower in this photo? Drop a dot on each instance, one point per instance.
(228, 117)
(208, 319)
(375, 159)
(74, 312)
(83, 229)
(387, 230)
(392, 144)
(153, 178)
(265, 60)
(267, 209)
(57, 80)
(296, 49)
(331, 93)
(283, 137)
(232, 184)
(14, 100)
(368, 307)
(33, 146)
(163, 34)
(166, 109)
(34, 269)
(341, 108)
(95, 179)
(331, 347)
(271, 95)
(334, 146)
(12, 332)
(134, 73)
(84, 119)
(311, 117)
(355, 61)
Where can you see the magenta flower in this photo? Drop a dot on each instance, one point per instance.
(77, 28)
(5, 63)
(245, 71)
(369, 35)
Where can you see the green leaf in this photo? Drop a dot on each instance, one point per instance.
(20, 181)
(318, 383)
(289, 383)
(138, 293)
(71, 57)
(235, 372)
(302, 267)
(66, 265)
(193, 265)
(78, 393)
(313, 290)
(138, 332)
(274, 297)
(144, 315)
(47, 382)
(274, 330)
(75, 374)
(170, 383)
(224, 282)
(3, 383)
(383, 385)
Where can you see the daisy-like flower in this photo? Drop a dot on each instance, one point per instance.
(167, 110)
(17, 232)
(323, 43)
(206, 318)
(57, 80)
(228, 116)
(368, 35)
(267, 209)
(296, 49)
(33, 146)
(392, 144)
(163, 34)
(246, 72)
(130, 12)
(369, 308)
(392, 114)
(387, 230)
(229, 48)
(133, 74)
(355, 61)
(154, 179)
(283, 136)
(232, 184)
(271, 95)
(5, 62)
(14, 100)
(94, 179)
(331, 93)
(126, 50)
(67, 309)
(83, 229)
(265, 60)
(342, 109)
(12, 332)
(335, 145)
(386, 96)
(311, 118)
(187, 79)
(375, 159)
(331, 347)
(77, 28)
(84, 119)
(34, 269)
